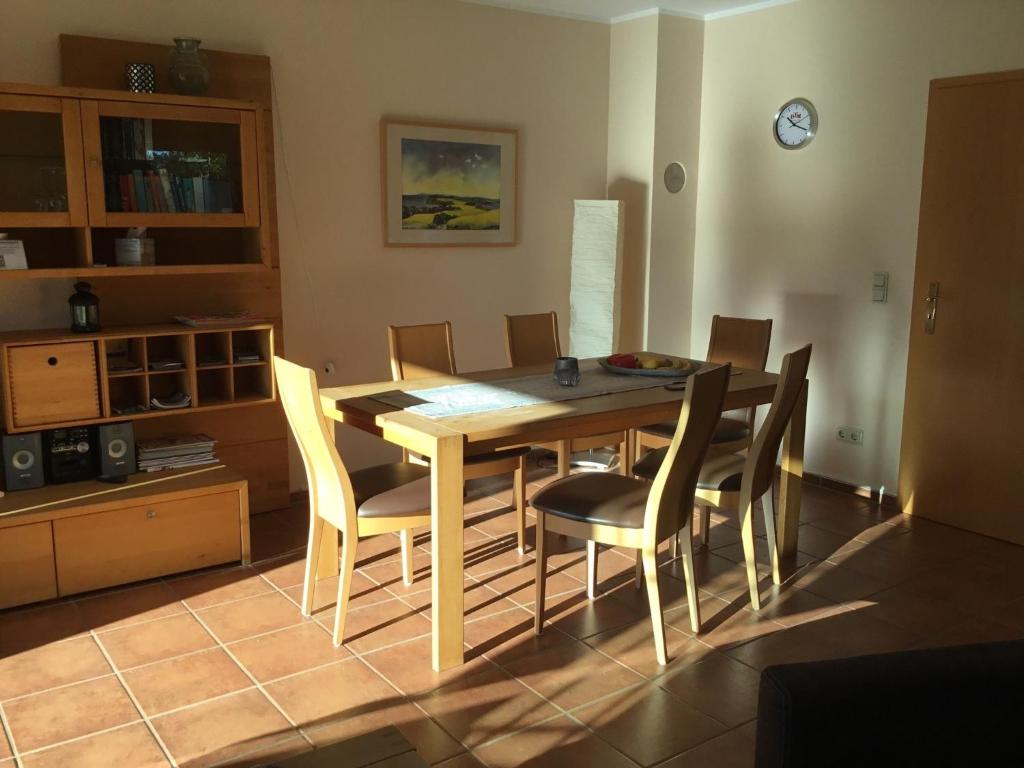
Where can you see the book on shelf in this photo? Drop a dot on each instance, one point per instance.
(160, 181)
(159, 466)
(175, 452)
(175, 446)
(171, 402)
(219, 321)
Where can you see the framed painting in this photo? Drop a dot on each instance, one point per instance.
(448, 185)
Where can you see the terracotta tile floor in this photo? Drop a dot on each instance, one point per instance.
(220, 668)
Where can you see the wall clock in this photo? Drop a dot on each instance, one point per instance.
(675, 177)
(795, 124)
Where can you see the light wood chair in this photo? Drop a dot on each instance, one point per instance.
(736, 481)
(533, 340)
(387, 498)
(744, 343)
(625, 511)
(421, 351)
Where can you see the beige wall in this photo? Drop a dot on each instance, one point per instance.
(339, 65)
(796, 235)
(632, 93)
(674, 216)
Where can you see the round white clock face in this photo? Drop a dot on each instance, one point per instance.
(795, 124)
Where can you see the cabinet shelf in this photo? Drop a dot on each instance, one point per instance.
(100, 272)
(213, 387)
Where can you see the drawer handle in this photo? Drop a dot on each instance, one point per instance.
(52, 361)
(150, 514)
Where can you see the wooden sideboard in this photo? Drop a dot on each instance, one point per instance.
(62, 540)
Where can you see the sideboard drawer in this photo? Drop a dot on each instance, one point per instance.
(143, 542)
(51, 383)
(26, 564)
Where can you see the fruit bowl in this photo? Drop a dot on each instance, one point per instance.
(648, 364)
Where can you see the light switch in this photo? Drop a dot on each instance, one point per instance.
(880, 287)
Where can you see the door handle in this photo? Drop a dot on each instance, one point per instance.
(933, 307)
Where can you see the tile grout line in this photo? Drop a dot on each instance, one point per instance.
(83, 737)
(414, 704)
(248, 674)
(5, 730)
(135, 702)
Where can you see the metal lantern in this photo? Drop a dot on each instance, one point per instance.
(85, 309)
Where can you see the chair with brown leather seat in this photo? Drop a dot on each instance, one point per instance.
(617, 510)
(736, 481)
(744, 343)
(383, 499)
(533, 340)
(422, 351)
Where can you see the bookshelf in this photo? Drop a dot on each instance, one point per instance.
(80, 166)
(114, 374)
(207, 263)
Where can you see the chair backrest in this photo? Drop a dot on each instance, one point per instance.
(759, 470)
(532, 339)
(740, 341)
(670, 503)
(421, 351)
(330, 490)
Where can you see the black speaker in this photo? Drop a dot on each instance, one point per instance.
(68, 455)
(115, 445)
(23, 461)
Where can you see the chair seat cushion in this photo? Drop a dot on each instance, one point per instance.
(596, 497)
(718, 473)
(391, 490)
(727, 431)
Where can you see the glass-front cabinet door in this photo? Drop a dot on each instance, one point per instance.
(41, 180)
(170, 166)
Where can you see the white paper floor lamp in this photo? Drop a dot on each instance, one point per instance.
(594, 294)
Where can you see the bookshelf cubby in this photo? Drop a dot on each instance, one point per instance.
(126, 372)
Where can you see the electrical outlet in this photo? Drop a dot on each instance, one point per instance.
(853, 435)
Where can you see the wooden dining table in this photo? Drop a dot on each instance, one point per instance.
(448, 440)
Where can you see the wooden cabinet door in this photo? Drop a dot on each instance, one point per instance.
(159, 165)
(41, 181)
(53, 383)
(26, 565)
(143, 542)
(963, 419)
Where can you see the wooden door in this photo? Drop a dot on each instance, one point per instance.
(159, 165)
(962, 457)
(41, 162)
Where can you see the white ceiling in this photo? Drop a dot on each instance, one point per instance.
(621, 10)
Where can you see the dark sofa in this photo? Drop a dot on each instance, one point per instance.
(958, 706)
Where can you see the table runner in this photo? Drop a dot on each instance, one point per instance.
(479, 397)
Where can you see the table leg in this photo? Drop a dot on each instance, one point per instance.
(446, 552)
(564, 457)
(792, 477)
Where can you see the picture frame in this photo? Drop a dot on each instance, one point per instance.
(448, 185)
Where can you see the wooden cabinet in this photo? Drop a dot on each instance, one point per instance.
(165, 166)
(79, 166)
(52, 383)
(94, 551)
(58, 379)
(63, 540)
(27, 570)
(41, 179)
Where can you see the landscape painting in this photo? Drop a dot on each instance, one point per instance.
(448, 185)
